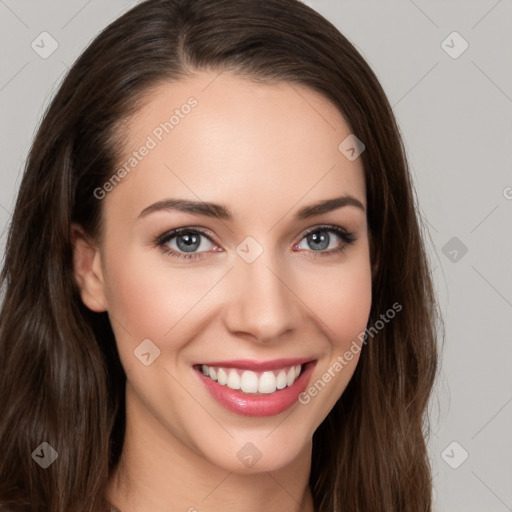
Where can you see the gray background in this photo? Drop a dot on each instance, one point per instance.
(455, 116)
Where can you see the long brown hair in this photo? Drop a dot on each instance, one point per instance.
(61, 380)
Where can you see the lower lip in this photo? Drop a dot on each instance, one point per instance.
(248, 404)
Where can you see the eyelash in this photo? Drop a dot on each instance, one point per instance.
(347, 238)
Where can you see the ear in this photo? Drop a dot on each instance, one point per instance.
(87, 270)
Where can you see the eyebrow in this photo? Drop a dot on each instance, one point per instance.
(222, 212)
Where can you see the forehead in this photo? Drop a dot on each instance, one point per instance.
(221, 138)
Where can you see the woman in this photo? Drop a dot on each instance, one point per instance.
(216, 289)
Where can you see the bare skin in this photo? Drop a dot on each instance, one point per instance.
(263, 151)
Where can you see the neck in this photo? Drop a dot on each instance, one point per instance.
(156, 470)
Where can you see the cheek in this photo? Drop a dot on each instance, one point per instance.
(137, 300)
(149, 299)
(343, 306)
(147, 294)
(341, 297)
(342, 301)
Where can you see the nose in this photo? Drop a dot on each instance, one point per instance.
(262, 301)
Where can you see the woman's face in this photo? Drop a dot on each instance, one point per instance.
(254, 287)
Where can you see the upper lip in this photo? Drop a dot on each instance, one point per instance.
(251, 364)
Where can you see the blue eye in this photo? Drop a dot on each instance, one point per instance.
(189, 242)
(317, 237)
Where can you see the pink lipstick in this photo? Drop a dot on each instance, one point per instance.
(254, 388)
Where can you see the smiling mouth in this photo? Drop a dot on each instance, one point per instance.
(253, 382)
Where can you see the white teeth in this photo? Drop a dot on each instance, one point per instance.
(290, 377)
(233, 380)
(281, 380)
(222, 376)
(267, 383)
(251, 382)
